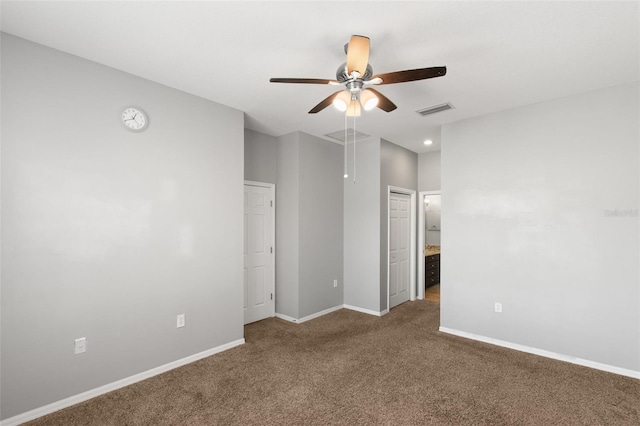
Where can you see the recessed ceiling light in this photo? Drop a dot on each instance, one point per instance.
(428, 142)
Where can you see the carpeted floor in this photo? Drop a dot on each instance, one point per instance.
(350, 368)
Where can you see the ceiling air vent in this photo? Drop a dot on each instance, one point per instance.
(339, 135)
(433, 109)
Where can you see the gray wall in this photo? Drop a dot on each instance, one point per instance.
(260, 157)
(362, 230)
(109, 234)
(428, 171)
(309, 231)
(398, 167)
(287, 225)
(321, 225)
(540, 205)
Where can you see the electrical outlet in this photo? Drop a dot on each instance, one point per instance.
(498, 307)
(335, 283)
(80, 346)
(180, 321)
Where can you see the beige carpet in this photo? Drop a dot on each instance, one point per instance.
(350, 368)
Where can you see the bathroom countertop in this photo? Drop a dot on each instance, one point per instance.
(430, 250)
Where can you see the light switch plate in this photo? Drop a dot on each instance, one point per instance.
(180, 321)
(81, 345)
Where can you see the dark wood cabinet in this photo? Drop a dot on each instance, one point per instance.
(431, 270)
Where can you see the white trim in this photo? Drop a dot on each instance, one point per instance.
(272, 195)
(319, 314)
(286, 318)
(261, 184)
(547, 354)
(84, 396)
(412, 255)
(328, 311)
(366, 311)
(421, 241)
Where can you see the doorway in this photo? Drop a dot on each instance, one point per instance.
(259, 251)
(429, 239)
(401, 277)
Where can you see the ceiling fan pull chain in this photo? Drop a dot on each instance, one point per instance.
(354, 143)
(346, 173)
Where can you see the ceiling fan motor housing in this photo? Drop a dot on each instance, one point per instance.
(355, 87)
(342, 75)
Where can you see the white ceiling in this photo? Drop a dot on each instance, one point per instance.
(498, 55)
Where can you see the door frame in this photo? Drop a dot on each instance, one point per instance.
(421, 240)
(412, 236)
(272, 194)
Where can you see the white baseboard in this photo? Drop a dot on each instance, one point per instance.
(319, 314)
(328, 311)
(308, 317)
(84, 396)
(286, 318)
(366, 311)
(544, 353)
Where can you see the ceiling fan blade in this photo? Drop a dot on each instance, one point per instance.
(302, 80)
(325, 103)
(411, 75)
(383, 102)
(358, 54)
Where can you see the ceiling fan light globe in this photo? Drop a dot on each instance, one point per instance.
(342, 100)
(340, 105)
(354, 109)
(371, 104)
(368, 99)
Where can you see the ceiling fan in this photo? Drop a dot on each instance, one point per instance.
(357, 75)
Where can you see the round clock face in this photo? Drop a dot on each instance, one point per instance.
(134, 119)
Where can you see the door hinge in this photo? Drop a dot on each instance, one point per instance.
(271, 296)
(271, 250)
(271, 201)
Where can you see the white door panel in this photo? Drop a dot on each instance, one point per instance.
(258, 261)
(393, 279)
(245, 288)
(399, 248)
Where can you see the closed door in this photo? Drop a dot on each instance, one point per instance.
(258, 254)
(399, 250)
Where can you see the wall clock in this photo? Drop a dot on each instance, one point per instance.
(135, 119)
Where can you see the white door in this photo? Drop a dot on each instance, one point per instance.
(399, 248)
(259, 300)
